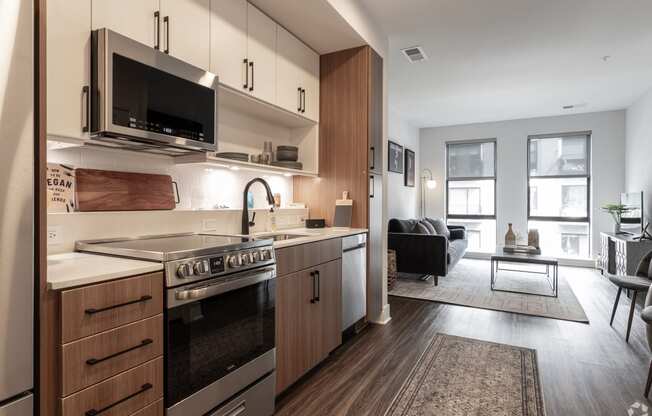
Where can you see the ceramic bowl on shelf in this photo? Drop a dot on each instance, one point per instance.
(242, 157)
(287, 153)
(288, 164)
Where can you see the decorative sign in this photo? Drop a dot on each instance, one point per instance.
(61, 188)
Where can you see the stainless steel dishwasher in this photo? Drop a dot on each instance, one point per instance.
(354, 279)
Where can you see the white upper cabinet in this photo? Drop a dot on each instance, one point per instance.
(261, 55)
(185, 30)
(309, 64)
(68, 67)
(137, 20)
(297, 76)
(229, 42)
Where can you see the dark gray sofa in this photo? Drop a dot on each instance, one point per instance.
(432, 249)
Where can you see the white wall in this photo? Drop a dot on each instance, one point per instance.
(403, 201)
(639, 150)
(607, 168)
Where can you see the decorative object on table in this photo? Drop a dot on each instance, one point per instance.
(616, 211)
(242, 157)
(103, 190)
(343, 211)
(510, 236)
(287, 164)
(645, 235)
(267, 156)
(395, 157)
(410, 174)
(427, 182)
(533, 238)
(61, 188)
(316, 223)
(392, 273)
(287, 153)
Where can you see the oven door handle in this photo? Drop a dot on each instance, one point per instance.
(205, 290)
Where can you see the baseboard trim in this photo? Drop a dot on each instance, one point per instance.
(383, 318)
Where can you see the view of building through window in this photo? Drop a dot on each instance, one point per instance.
(558, 187)
(471, 191)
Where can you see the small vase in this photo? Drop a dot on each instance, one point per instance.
(510, 237)
(616, 228)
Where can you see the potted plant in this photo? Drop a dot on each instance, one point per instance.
(617, 211)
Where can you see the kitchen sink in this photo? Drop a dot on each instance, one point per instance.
(280, 236)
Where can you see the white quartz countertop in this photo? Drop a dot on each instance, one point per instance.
(68, 270)
(311, 235)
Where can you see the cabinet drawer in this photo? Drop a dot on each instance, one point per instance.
(295, 258)
(93, 359)
(123, 394)
(92, 309)
(155, 409)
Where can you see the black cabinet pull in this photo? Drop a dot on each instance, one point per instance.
(92, 311)
(86, 90)
(318, 284)
(314, 297)
(303, 98)
(166, 22)
(143, 389)
(93, 361)
(299, 106)
(373, 157)
(157, 19)
(246, 68)
(251, 65)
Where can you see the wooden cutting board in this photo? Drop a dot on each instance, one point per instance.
(104, 190)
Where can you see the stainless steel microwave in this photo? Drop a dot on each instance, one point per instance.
(145, 99)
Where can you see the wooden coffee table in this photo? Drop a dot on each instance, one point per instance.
(549, 262)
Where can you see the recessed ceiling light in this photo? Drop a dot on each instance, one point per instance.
(606, 58)
(414, 54)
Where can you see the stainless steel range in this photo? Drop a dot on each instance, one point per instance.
(220, 306)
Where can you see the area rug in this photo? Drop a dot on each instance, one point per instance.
(461, 376)
(468, 284)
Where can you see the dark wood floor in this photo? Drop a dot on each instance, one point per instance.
(585, 369)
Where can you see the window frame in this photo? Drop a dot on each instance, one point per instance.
(587, 218)
(472, 178)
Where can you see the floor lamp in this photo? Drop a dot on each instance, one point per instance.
(427, 182)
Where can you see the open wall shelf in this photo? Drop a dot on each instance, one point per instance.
(210, 160)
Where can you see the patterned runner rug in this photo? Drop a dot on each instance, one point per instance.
(461, 376)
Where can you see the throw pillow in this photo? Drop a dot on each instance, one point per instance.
(420, 229)
(431, 229)
(440, 227)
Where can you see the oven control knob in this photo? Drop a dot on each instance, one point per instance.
(266, 254)
(246, 258)
(235, 261)
(201, 267)
(257, 256)
(184, 271)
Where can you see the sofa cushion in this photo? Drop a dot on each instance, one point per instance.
(456, 250)
(420, 228)
(430, 227)
(401, 226)
(440, 226)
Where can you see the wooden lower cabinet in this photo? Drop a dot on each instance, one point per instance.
(155, 409)
(123, 394)
(308, 320)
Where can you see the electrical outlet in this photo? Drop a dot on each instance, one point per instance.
(209, 225)
(54, 234)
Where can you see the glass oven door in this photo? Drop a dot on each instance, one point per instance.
(214, 328)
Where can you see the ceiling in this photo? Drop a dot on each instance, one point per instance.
(493, 60)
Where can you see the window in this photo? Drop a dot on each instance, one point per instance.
(471, 191)
(558, 192)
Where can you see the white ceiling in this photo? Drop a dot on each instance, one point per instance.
(493, 60)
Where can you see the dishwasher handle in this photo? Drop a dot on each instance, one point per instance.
(356, 247)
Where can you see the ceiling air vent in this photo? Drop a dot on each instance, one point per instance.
(414, 54)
